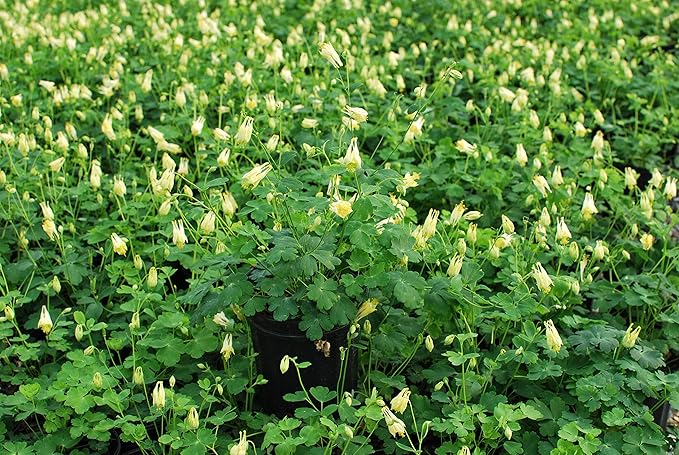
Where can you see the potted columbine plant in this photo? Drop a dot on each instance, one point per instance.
(306, 259)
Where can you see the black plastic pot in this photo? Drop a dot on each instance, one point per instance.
(272, 340)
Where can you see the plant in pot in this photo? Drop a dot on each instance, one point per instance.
(307, 261)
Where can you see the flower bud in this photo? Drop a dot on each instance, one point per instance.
(138, 376)
(9, 313)
(192, 421)
(285, 364)
(138, 263)
(172, 381)
(152, 279)
(135, 324)
(79, 332)
(89, 350)
(97, 380)
(429, 343)
(56, 284)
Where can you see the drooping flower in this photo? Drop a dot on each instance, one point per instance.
(330, 54)
(554, 342)
(158, 395)
(207, 224)
(55, 165)
(95, 175)
(227, 347)
(542, 278)
(521, 155)
(409, 181)
(507, 225)
(455, 266)
(414, 130)
(107, 128)
(541, 184)
(395, 425)
(119, 244)
(588, 207)
(352, 159)
(197, 126)
(646, 240)
(630, 337)
(368, 307)
(242, 447)
(192, 421)
(119, 188)
(244, 132)
(45, 321)
(631, 177)
(179, 237)
(465, 147)
(563, 234)
(252, 178)
(357, 114)
(342, 208)
(400, 402)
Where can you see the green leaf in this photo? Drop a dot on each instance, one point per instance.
(322, 394)
(408, 288)
(283, 308)
(79, 399)
(322, 291)
(29, 390)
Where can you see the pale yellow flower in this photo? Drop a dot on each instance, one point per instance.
(45, 321)
(563, 234)
(630, 337)
(395, 425)
(179, 237)
(357, 114)
(252, 178)
(588, 207)
(646, 240)
(352, 159)
(197, 126)
(55, 166)
(227, 347)
(455, 266)
(368, 307)
(119, 244)
(554, 342)
(330, 54)
(244, 132)
(242, 447)
(542, 278)
(158, 395)
(400, 402)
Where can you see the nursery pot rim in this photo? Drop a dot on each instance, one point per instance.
(265, 322)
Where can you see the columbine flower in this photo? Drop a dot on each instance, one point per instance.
(366, 308)
(521, 155)
(50, 229)
(309, 123)
(557, 177)
(285, 364)
(553, 339)
(45, 321)
(506, 94)
(342, 208)
(178, 236)
(646, 203)
(465, 147)
(409, 181)
(55, 166)
(542, 279)
(455, 266)
(242, 447)
(119, 244)
(192, 421)
(507, 225)
(414, 130)
(600, 250)
(541, 184)
(227, 347)
(158, 395)
(671, 188)
(152, 279)
(95, 175)
(656, 178)
(631, 177)
(119, 188)
(352, 159)
(221, 320)
(252, 178)
(207, 224)
(395, 425)
(244, 131)
(427, 230)
(588, 207)
(456, 214)
(400, 402)
(630, 337)
(563, 235)
(197, 126)
(330, 54)
(46, 211)
(107, 127)
(357, 114)
(646, 240)
(229, 204)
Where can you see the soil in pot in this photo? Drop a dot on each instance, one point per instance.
(273, 339)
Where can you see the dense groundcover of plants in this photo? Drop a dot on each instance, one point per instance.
(506, 209)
